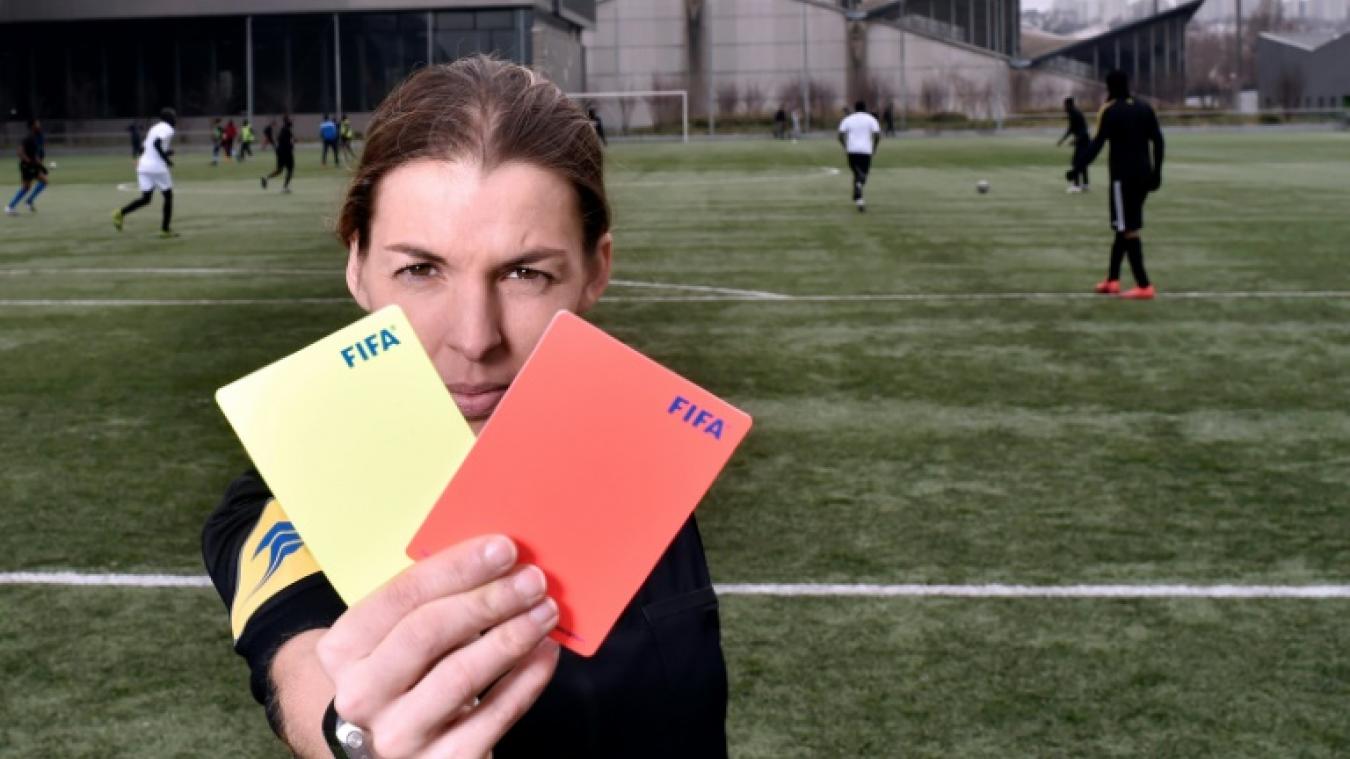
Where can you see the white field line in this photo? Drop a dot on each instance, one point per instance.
(820, 171)
(731, 291)
(172, 271)
(753, 297)
(798, 590)
(337, 273)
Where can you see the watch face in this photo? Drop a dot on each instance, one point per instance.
(352, 740)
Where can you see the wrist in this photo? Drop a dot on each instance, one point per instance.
(345, 740)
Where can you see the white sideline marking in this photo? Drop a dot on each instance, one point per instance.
(102, 302)
(337, 274)
(173, 271)
(796, 590)
(1039, 591)
(821, 171)
(105, 580)
(751, 296)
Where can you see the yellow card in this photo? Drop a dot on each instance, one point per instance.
(357, 436)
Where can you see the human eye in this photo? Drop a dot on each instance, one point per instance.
(416, 272)
(527, 280)
(527, 274)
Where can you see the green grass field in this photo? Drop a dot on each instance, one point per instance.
(1062, 439)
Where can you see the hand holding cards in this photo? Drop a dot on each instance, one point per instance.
(592, 462)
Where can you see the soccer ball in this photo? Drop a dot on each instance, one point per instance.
(982, 186)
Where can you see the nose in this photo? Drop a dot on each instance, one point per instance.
(474, 328)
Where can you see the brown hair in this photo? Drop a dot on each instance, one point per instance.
(485, 110)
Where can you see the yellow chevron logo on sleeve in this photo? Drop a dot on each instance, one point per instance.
(271, 560)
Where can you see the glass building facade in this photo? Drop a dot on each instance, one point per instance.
(300, 63)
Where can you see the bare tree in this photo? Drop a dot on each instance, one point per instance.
(665, 110)
(728, 97)
(824, 100)
(933, 96)
(967, 94)
(753, 98)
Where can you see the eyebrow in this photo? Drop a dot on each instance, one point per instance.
(408, 249)
(531, 256)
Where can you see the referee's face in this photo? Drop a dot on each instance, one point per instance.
(480, 262)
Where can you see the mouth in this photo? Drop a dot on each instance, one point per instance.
(477, 402)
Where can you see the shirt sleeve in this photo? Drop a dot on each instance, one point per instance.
(269, 582)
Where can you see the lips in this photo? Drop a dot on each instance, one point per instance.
(477, 402)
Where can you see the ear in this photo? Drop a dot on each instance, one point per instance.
(355, 263)
(600, 265)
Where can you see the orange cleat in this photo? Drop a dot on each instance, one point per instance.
(1139, 293)
(1108, 287)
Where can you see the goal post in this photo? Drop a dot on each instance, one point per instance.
(637, 108)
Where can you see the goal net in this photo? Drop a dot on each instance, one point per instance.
(639, 112)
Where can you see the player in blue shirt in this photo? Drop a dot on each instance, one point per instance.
(31, 168)
(328, 132)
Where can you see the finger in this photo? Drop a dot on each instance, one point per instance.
(482, 727)
(426, 635)
(417, 716)
(454, 570)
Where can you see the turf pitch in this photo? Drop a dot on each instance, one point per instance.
(1049, 440)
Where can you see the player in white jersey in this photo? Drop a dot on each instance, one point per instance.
(152, 172)
(859, 133)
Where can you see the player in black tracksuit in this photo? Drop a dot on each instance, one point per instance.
(1078, 130)
(656, 688)
(1131, 127)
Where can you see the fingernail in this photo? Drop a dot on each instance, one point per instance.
(545, 613)
(499, 552)
(530, 583)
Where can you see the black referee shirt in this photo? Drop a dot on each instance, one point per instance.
(1131, 126)
(656, 688)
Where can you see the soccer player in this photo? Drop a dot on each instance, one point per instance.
(285, 150)
(1078, 130)
(860, 134)
(1130, 126)
(328, 132)
(245, 140)
(217, 138)
(346, 135)
(152, 173)
(269, 135)
(227, 139)
(598, 124)
(31, 168)
(134, 130)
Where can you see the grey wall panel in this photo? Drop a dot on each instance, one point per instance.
(75, 10)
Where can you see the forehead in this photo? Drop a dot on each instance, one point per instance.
(448, 201)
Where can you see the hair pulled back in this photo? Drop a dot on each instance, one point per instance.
(487, 111)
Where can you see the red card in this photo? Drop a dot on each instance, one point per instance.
(592, 462)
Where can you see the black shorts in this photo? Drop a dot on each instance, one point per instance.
(860, 163)
(29, 171)
(286, 160)
(1127, 204)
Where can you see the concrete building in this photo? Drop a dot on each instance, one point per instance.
(96, 64)
(1303, 69)
(1152, 50)
(748, 57)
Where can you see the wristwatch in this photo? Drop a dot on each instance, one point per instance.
(345, 740)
